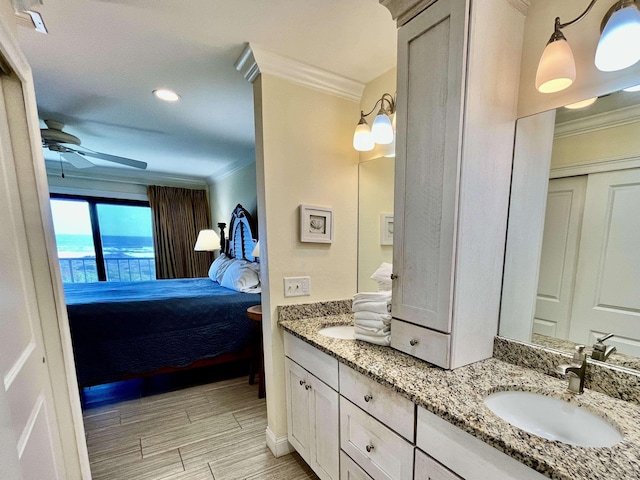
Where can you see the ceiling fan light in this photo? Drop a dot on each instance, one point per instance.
(382, 129)
(557, 67)
(362, 137)
(619, 44)
(166, 94)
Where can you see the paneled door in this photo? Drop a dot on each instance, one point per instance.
(607, 292)
(30, 443)
(559, 257)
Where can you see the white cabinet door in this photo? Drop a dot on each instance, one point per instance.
(606, 297)
(430, 84)
(298, 427)
(426, 468)
(324, 420)
(559, 257)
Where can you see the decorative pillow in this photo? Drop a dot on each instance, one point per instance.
(242, 276)
(219, 266)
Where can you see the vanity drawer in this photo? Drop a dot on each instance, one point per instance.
(427, 345)
(392, 409)
(382, 453)
(350, 470)
(323, 366)
(428, 469)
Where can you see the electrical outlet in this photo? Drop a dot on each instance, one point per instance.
(297, 286)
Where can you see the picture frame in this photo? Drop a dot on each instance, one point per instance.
(386, 229)
(316, 224)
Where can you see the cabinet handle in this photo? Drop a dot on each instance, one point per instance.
(368, 398)
(302, 382)
(307, 387)
(394, 276)
(413, 342)
(369, 448)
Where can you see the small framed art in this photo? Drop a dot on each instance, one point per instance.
(386, 229)
(316, 224)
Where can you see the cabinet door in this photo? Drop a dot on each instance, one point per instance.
(431, 56)
(324, 417)
(426, 468)
(298, 428)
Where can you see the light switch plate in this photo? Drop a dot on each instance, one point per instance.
(297, 286)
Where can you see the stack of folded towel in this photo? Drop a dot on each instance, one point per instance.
(372, 313)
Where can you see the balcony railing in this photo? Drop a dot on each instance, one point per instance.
(119, 269)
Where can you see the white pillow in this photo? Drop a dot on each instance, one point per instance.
(242, 276)
(219, 266)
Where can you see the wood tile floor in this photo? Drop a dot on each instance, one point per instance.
(213, 431)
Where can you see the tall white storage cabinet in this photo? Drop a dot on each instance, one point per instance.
(458, 74)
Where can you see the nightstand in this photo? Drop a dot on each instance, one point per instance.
(257, 357)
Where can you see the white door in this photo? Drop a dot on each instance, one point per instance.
(299, 430)
(607, 292)
(324, 418)
(23, 370)
(559, 257)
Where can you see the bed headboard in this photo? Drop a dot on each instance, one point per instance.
(243, 235)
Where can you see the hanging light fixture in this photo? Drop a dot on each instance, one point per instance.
(582, 104)
(383, 129)
(557, 67)
(619, 45)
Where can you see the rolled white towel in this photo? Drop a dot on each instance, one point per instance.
(366, 315)
(372, 296)
(383, 341)
(373, 331)
(368, 306)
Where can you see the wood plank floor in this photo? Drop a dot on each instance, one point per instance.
(213, 431)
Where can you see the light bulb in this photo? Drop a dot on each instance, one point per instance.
(382, 130)
(166, 95)
(557, 67)
(362, 137)
(583, 104)
(619, 45)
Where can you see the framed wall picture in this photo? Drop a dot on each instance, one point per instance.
(386, 229)
(316, 224)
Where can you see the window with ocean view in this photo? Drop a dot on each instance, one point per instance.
(103, 239)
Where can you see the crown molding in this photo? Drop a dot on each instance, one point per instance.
(254, 60)
(614, 118)
(521, 5)
(131, 177)
(597, 166)
(226, 172)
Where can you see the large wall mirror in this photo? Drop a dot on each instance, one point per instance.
(572, 266)
(375, 218)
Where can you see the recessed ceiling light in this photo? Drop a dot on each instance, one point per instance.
(635, 88)
(166, 95)
(582, 104)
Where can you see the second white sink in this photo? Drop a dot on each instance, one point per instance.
(553, 419)
(344, 332)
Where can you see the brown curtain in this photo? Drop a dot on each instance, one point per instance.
(178, 215)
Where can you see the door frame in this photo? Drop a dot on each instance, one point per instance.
(34, 200)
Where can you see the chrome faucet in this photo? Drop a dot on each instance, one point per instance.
(575, 371)
(600, 350)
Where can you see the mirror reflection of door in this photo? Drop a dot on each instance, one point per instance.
(589, 280)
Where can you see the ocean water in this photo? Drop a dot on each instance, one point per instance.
(81, 246)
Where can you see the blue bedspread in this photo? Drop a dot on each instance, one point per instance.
(124, 329)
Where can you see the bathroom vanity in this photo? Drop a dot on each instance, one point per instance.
(393, 416)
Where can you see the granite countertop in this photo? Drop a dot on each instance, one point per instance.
(458, 397)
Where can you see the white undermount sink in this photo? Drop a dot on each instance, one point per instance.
(553, 419)
(344, 332)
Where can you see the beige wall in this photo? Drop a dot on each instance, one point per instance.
(237, 188)
(304, 155)
(613, 143)
(583, 38)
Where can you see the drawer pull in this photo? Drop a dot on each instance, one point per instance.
(302, 382)
(368, 398)
(307, 387)
(394, 276)
(369, 448)
(413, 342)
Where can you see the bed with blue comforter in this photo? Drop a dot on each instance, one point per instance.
(127, 329)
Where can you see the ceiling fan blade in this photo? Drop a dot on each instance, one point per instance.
(77, 160)
(121, 160)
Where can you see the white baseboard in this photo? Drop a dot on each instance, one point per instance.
(279, 446)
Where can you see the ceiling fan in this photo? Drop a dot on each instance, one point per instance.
(65, 144)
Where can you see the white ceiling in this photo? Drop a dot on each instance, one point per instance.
(96, 68)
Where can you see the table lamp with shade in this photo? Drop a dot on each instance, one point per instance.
(208, 241)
